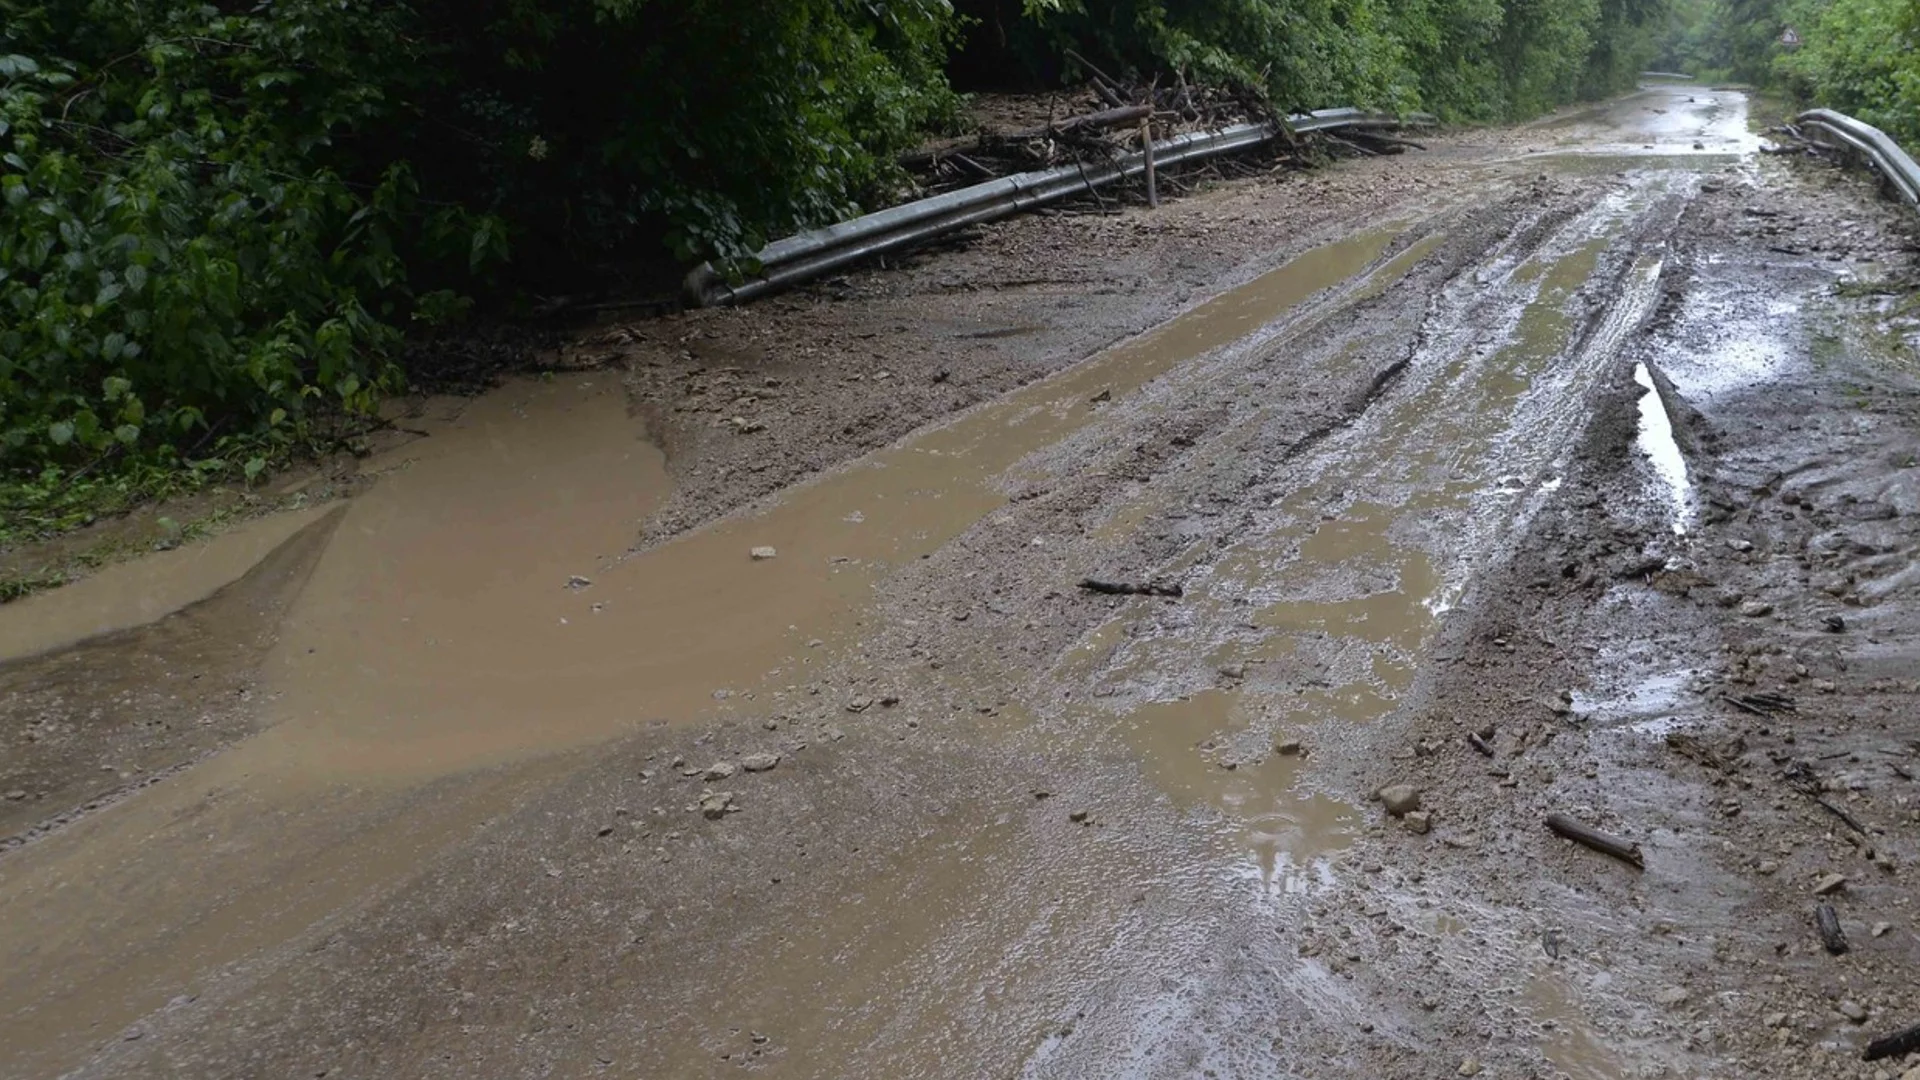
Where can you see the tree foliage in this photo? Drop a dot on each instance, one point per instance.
(1859, 56)
(218, 219)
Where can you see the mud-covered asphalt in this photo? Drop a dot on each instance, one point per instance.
(733, 705)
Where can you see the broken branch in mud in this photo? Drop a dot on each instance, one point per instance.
(1831, 936)
(1122, 588)
(1895, 1045)
(1848, 819)
(1581, 833)
(1474, 740)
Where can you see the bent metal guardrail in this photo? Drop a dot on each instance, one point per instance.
(789, 262)
(1892, 163)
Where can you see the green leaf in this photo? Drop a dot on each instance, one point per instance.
(254, 467)
(61, 432)
(276, 417)
(136, 277)
(113, 387)
(127, 433)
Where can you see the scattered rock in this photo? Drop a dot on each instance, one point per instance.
(761, 761)
(1078, 817)
(579, 581)
(1774, 1020)
(1285, 748)
(762, 554)
(1834, 624)
(717, 804)
(1830, 884)
(16, 795)
(1400, 799)
(1853, 1011)
(1418, 821)
(859, 704)
(1756, 609)
(1882, 929)
(1673, 996)
(1233, 671)
(1740, 545)
(719, 770)
(1469, 1067)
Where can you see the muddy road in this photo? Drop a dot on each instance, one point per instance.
(728, 701)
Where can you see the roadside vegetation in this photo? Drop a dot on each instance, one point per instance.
(220, 223)
(1861, 57)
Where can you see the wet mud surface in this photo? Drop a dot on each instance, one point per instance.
(716, 712)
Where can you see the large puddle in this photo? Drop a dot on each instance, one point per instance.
(453, 625)
(475, 608)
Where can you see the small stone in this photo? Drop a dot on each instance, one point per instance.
(1774, 1020)
(1832, 883)
(1078, 817)
(717, 804)
(605, 830)
(133, 1034)
(1740, 545)
(762, 554)
(719, 770)
(1882, 929)
(1400, 799)
(1767, 866)
(1285, 748)
(761, 761)
(1755, 609)
(1672, 996)
(579, 581)
(1853, 1011)
(859, 704)
(1418, 821)
(16, 795)
(1834, 624)
(1233, 671)
(1469, 1067)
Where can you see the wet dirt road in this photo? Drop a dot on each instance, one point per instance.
(854, 780)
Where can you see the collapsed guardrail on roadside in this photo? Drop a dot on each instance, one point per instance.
(1894, 165)
(800, 258)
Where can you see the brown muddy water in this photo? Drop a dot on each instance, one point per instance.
(476, 608)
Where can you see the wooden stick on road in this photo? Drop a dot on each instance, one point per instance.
(1582, 833)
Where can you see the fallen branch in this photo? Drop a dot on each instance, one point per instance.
(1831, 935)
(1103, 84)
(1121, 588)
(1105, 118)
(1851, 822)
(1895, 1045)
(1581, 833)
(1474, 740)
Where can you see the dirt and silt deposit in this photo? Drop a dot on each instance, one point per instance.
(735, 705)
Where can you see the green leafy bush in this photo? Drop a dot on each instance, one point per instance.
(217, 219)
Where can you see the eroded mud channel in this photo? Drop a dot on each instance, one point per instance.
(456, 778)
